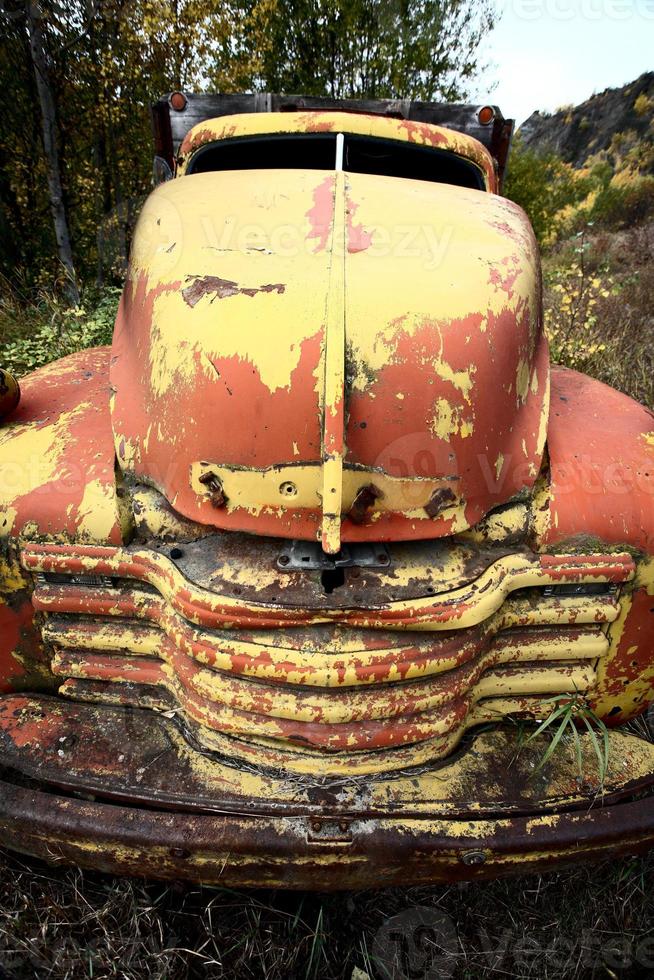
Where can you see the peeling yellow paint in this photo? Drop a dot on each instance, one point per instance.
(448, 421)
(97, 512)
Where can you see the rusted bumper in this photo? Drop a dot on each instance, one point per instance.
(152, 806)
(264, 851)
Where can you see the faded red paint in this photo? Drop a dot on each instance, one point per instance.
(221, 660)
(416, 709)
(334, 425)
(438, 672)
(196, 630)
(418, 132)
(263, 432)
(226, 415)
(322, 121)
(74, 390)
(194, 139)
(13, 622)
(358, 239)
(425, 133)
(394, 433)
(321, 215)
(601, 464)
(503, 276)
(357, 735)
(632, 659)
(609, 568)
(14, 717)
(395, 659)
(208, 609)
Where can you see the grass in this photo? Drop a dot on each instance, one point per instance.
(567, 716)
(585, 922)
(588, 922)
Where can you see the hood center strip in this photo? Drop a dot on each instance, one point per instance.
(333, 434)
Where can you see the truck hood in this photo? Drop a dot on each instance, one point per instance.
(331, 356)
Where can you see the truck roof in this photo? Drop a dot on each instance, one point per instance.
(175, 114)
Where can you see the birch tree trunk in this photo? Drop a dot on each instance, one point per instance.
(49, 134)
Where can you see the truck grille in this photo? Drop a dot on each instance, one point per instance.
(271, 681)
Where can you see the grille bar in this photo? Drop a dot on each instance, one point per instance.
(461, 608)
(402, 656)
(563, 651)
(366, 734)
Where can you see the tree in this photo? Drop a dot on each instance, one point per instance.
(82, 162)
(72, 185)
(38, 51)
(426, 49)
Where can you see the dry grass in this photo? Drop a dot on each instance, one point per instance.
(583, 923)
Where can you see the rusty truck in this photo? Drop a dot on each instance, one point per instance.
(292, 574)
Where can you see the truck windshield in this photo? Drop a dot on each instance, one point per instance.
(317, 151)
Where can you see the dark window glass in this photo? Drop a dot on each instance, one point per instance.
(317, 151)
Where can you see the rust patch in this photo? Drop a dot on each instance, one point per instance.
(215, 488)
(439, 500)
(363, 503)
(219, 288)
(190, 822)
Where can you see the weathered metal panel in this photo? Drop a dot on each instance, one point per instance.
(409, 131)
(601, 453)
(56, 455)
(601, 489)
(468, 605)
(332, 387)
(57, 482)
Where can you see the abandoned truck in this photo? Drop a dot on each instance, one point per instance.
(292, 574)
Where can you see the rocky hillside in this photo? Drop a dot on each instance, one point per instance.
(579, 132)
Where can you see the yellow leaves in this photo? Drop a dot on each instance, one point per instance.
(644, 105)
(573, 308)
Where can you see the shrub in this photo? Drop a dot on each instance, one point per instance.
(644, 105)
(627, 200)
(42, 330)
(598, 312)
(543, 185)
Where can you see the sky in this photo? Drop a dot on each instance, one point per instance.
(544, 54)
